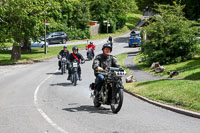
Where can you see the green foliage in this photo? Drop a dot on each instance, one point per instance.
(170, 38)
(191, 10)
(115, 11)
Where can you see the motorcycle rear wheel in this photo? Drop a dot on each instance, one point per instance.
(62, 69)
(119, 101)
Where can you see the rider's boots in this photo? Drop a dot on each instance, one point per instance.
(79, 77)
(96, 96)
(69, 77)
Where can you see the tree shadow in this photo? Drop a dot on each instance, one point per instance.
(193, 76)
(62, 84)
(133, 53)
(121, 39)
(90, 109)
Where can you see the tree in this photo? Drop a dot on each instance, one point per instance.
(20, 19)
(170, 37)
(192, 7)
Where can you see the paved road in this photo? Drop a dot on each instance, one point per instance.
(36, 98)
(138, 74)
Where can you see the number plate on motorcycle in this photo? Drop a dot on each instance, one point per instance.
(120, 73)
(75, 65)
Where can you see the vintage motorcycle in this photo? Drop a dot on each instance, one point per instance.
(64, 65)
(74, 69)
(112, 89)
(90, 55)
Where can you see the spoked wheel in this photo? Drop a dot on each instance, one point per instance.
(62, 69)
(75, 79)
(118, 101)
(96, 102)
(64, 41)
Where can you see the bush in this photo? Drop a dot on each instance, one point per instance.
(170, 38)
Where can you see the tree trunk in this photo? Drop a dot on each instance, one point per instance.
(27, 46)
(16, 53)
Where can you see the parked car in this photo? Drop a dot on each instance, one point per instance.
(56, 37)
(35, 44)
(134, 40)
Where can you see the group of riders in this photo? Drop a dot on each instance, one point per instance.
(101, 62)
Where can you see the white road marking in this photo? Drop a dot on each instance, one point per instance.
(44, 115)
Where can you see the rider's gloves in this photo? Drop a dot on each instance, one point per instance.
(83, 61)
(100, 69)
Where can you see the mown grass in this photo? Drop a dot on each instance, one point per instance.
(181, 93)
(132, 21)
(37, 54)
(187, 70)
(121, 58)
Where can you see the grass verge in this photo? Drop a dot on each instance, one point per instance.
(180, 93)
(37, 54)
(120, 59)
(187, 70)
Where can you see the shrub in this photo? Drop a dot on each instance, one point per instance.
(170, 38)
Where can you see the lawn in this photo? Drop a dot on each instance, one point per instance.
(37, 54)
(187, 70)
(180, 93)
(121, 58)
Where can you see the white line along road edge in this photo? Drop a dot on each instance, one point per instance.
(53, 124)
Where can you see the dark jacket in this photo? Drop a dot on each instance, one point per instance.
(104, 62)
(79, 56)
(64, 53)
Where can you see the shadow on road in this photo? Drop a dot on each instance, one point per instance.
(61, 84)
(90, 109)
(56, 73)
(133, 53)
(121, 40)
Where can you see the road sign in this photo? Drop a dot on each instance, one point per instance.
(47, 23)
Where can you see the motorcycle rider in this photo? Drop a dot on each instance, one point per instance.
(110, 40)
(103, 62)
(75, 56)
(92, 46)
(64, 54)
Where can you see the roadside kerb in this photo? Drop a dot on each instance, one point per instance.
(174, 109)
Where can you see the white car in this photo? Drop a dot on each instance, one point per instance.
(40, 44)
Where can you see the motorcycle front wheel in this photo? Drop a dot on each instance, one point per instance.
(96, 103)
(118, 101)
(62, 69)
(75, 79)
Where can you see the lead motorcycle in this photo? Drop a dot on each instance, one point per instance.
(112, 89)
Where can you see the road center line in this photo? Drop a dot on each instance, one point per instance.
(44, 115)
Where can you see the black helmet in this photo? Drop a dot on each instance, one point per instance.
(107, 45)
(65, 47)
(75, 48)
(91, 42)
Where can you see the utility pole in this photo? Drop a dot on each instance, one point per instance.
(45, 41)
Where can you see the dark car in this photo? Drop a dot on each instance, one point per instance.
(56, 37)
